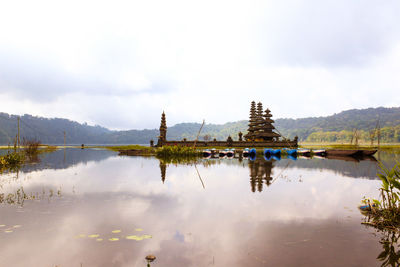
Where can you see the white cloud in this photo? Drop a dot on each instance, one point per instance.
(120, 64)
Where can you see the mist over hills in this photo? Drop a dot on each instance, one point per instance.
(337, 127)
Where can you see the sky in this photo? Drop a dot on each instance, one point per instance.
(119, 64)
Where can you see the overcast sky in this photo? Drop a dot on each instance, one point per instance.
(119, 64)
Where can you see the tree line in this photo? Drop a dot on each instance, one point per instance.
(339, 127)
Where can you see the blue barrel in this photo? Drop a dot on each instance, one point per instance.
(276, 152)
(276, 157)
(268, 158)
(267, 152)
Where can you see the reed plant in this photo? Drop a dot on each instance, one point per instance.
(385, 213)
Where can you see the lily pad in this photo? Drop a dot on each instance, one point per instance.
(138, 238)
(93, 236)
(134, 237)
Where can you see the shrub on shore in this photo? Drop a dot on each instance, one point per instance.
(176, 151)
(31, 147)
(11, 160)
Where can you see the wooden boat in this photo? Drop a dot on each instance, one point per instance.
(230, 153)
(319, 152)
(246, 152)
(343, 157)
(207, 153)
(292, 157)
(343, 152)
(367, 207)
(364, 207)
(222, 153)
(371, 158)
(369, 152)
(304, 152)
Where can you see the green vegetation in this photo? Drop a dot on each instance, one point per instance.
(20, 196)
(360, 119)
(388, 135)
(28, 152)
(390, 255)
(385, 213)
(11, 160)
(178, 155)
(178, 151)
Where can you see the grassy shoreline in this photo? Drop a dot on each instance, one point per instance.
(152, 151)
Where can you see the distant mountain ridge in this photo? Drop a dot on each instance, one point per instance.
(329, 128)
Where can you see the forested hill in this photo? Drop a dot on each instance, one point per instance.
(362, 120)
(338, 127)
(51, 131)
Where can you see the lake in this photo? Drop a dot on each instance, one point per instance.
(94, 208)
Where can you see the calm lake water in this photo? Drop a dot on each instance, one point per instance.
(94, 208)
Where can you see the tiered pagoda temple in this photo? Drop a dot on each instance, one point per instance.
(261, 133)
(260, 125)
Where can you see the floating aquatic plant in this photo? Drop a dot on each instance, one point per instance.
(93, 236)
(138, 238)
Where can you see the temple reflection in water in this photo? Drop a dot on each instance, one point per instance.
(163, 169)
(260, 170)
(260, 174)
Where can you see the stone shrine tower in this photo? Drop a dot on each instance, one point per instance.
(163, 131)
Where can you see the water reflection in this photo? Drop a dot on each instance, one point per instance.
(163, 169)
(390, 255)
(19, 196)
(260, 174)
(261, 168)
(121, 200)
(66, 158)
